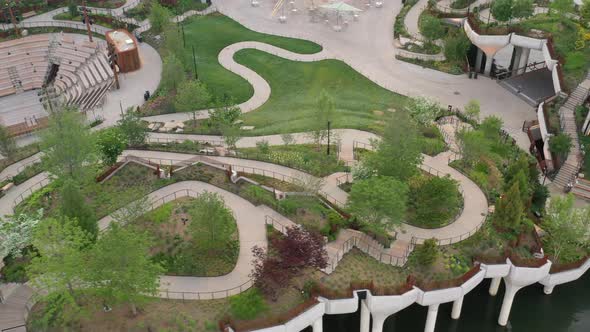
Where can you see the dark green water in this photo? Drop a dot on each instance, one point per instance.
(567, 309)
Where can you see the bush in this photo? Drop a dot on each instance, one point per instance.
(434, 201)
(258, 195)
(162, 213)
(427, 253)
(289, 206)
(247, 305)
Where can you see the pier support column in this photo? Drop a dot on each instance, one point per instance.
(457, 305)
(378, 321)
(524, 60)
(318, 325)
(495, 285)
(478, 60)
(507, 303)
(515, 61)
(488, 69)
(548, 289)
(365, 317)
(431, 318)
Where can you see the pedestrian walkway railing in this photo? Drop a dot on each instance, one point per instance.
(451, 240)
(20, 168)
(27, 192)
(268, 220)
(167, 140)
(364, 246)
(213, 295)
(344, 178)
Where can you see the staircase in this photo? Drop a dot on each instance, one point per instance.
(568, 171)
(13, 310)
(17, 83)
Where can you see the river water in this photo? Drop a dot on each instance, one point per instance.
(567, 309)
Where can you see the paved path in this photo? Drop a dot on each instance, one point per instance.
(412, 19)
(252, 232)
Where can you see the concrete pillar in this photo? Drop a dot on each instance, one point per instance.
(457, 305)
(478, 60)
(365, 317)
(548, 289)
(318, 325)
(431, 318)
(488, 68)
(515, 61)
(495, 285)
(507, 303)
(524, 59)
(378, 321)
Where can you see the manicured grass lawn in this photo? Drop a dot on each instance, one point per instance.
(175, 248)
(212, 33)
(296, 87)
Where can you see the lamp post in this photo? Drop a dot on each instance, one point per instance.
(195, 63)
(328, 138)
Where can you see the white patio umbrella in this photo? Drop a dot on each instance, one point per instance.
(340, 7)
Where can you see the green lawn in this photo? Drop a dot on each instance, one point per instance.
(212, 33)
(296, 87)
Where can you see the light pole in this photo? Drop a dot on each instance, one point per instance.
(195, 63)
(328, 138)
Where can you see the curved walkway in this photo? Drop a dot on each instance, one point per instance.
(413, 17)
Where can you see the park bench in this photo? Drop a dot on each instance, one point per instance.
(29, 14)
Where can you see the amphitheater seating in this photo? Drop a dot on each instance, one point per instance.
(83, 78)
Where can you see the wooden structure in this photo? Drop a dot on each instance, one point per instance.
(123, 45)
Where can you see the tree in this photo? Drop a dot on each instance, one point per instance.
(399, 151)
(120, 268)
(231, 136)
(435, 199)
(568, 230)
(263, 147)
(68, 146)
(491, 126)
(16, 233)
(431, 28)
(212, 223)
(561, 7)
(472, 110)
(502, 10)
(192, 95)
(427, 253)
(286, 258)
(72, 9)
(585, 10)
(173, 73)
(456, 47)
(61, 262)
(159, 17)
(224, 116)
(473, 145)
(560, 144)
(111, 143)
(74, 207)
(521, 180)
(288, 139)
(523, 8)
(509, 209)
(323, 113)
(7, 144)
(133, 128)
(379, 200)
(424, 110)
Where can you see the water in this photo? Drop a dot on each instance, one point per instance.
(567, 309)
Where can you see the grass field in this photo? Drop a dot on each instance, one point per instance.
(296, 87)
(212, 33)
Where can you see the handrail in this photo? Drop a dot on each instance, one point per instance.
(214, 142)
(347, 178)
(37, 185)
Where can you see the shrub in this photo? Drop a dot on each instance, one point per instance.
(435, 200)
(263, 147)
(162, 213)
(427, 253)
(289, 206)
(247, 305)
(258, 195)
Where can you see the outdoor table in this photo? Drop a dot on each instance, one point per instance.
(283, 19)
(337, 28)
(255, 3)
(378, 4)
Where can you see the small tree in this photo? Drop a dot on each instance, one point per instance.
(73, 206)
(456, 47)
(61, 261)
(473, 145)
(424, 110)
(121, 270)
(17, 232)
(431, 28)
(192, 95)
(523, 8)
(289, 255)
(159, 17)
(133, 128)
(560, 144)
(400, 150)
(472, 110)
(502, 10)
(263, 147)
(231, 136)
(173, 73)
(224, 116)
(323, 113)
(288, 139)
(561, 7)
(69, 147)
(211, 223)
(379, 200)
(435, 199)
(509, 209)
(7, 144)
(111, 143)
(568, 230)
(72, 9)
(491, 126)
(427, 253)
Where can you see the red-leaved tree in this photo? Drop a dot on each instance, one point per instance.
(289, 255)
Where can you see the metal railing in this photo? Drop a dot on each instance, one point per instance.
(213, 295)
(20, 168)
(29, 191)
(451, 240)
(167, 140)
(344, 178)
(269, 220)
(373, 251)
